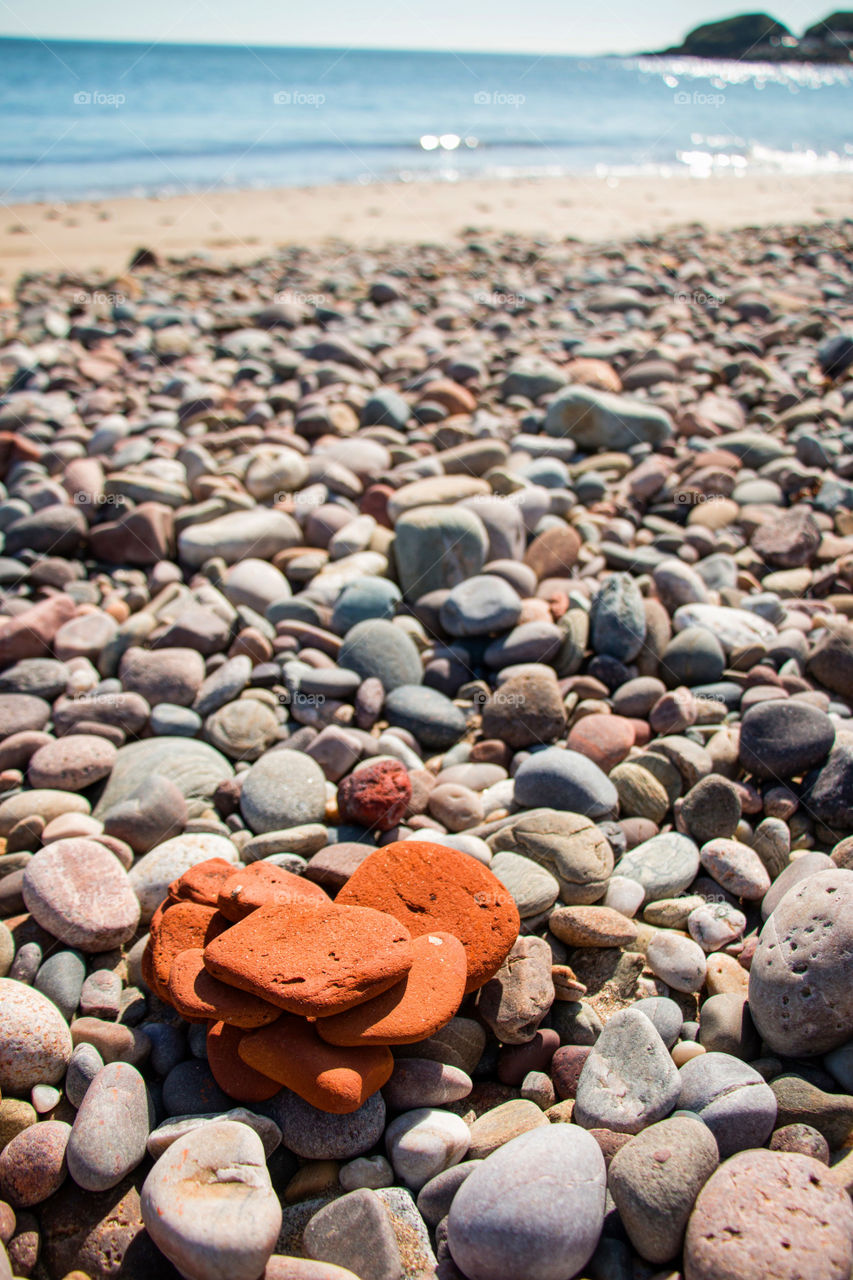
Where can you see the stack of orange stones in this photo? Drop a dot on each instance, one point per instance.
(305, 992)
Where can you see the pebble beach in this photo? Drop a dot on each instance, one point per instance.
(426, 761)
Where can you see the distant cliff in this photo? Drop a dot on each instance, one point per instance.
(756, 37)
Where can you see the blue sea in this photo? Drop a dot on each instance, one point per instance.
(84, 119)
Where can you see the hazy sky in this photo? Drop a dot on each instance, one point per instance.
(541, 26)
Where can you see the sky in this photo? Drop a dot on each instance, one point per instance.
(533, 26)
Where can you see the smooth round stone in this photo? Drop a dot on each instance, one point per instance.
(283, 789)
(152, 874)
(366, 1171)
(259, 532)
(320, 1135)
(731, 1098)
(438, 546)
(84, 1065)
(770, 1215)
(111, 1128)
(716, 925)
(79, 892)
(71, 764)
(480, 606)
(381, 649)
(436, 1196)
(242, 730)
(800, 994)
(711, 809)
(678, 961)
(420, 1082)
(736, 867)
(35, 1043)
(40, 677)
(604, 739)
(568, 845)
(565, 780)
(734, 628)
(664, 865)
(508, 1221)
(61, 979)
(195, 768)
(618, 618)
(533, 889)
(801, 1138)
(422, 1143)
(362, 600)
(168, 720)
(21, 711)
(665, 1016)
(256, 584)
(693, 657)
(525, 710)
(654, 1180)
(163, 675)
(629, 1081)
(624, 895)
(32, 1165)
(782, 739)
(209, 1206)
(435, 721)
(223, 684)
(536, 641)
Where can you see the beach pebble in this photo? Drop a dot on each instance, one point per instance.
(731, 1098)
(423, 1142)
(770, 1215)
(32, 1165)
(654, 1180)
(35, 1043)
(283, 789)
(355, 1231)
(629, 1081)
(665, 865)
(209, 1206)
(679, 961)
(111, 1128)
(79, 892)
(565, 780)
(505, 1221)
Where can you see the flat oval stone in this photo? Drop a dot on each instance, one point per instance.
(533, 888)
(35, 1043)
(782, 739)
(731, 1098)
(678, 961)
(79, 892)
(422, 1082)
(800, 993)
(736, 867)
(654, 1180)
(111, 1128)
(209, 1206)
(72, 763)
(32, 1165)
(424, 1142)
(770, 1215)
(629, 1080)
(435, 721)
(569, 845)
(283, 789)
(378, 648)
(508, 1221)
(664, 865)
(320, 1135)
(566, 780)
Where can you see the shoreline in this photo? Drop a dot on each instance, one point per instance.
(100, 236)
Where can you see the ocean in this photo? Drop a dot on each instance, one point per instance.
(84, 120)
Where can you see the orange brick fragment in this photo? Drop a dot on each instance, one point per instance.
(228, 1069)
(196, 994)
(261, 884)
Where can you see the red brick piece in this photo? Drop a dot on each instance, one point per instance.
(433, 889)
(240, 1081)
(331, 1079)
(263, 883)
(201, 883)
(376, 796)
(196, 994)
(415, 1008)
(184, 925)
(312, 959)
